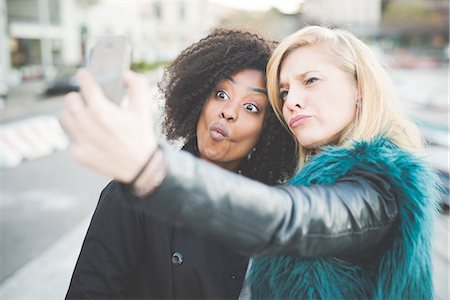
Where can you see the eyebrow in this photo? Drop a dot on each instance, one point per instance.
(253, 89)
(258, 90)
(301, 75)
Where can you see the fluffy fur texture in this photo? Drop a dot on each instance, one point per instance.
(402, 272)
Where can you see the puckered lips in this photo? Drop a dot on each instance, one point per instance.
(295, 121)
(218, 131)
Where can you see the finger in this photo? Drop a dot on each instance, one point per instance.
(79, 126)
(138, 90)
(67, 121)
(63, 119)
(74, 102)
(90, 90)
(75, 106)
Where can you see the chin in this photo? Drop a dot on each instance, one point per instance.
(308, 146)
(307, 142)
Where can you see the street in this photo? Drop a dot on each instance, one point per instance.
(41, 201)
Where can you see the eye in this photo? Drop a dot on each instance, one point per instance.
(311, 80)
(251, 107)
(283, 95)
(222, 95)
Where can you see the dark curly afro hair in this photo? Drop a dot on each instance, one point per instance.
(193, 76)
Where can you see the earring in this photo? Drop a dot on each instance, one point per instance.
(358, 101)
(249, 156)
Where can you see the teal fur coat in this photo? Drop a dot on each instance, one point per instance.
(403, 271)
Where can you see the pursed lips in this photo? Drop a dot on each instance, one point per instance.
(297, 120)
(218, 131)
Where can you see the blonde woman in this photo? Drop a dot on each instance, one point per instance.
(355, 221)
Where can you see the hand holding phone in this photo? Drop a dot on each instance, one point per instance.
(115, 141)
(108, 60)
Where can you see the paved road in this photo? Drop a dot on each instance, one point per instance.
(42, 200)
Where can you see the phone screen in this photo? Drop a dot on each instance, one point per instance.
(107, 62)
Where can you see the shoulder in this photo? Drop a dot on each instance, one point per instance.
(114, 206)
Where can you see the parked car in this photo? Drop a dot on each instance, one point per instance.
(63, 82)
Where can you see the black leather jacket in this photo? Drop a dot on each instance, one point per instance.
(350, 217)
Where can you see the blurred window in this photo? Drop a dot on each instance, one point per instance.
(157, 10)
(54, 12)
(34, 11)
(182, 11)
(56, 52)
(25, 52)
(23, 10)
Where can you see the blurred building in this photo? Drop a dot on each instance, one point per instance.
(4, 57)
(363, 15)
(39, 36)
(36, 35)
(158, 30)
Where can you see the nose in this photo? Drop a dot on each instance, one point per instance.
(294, 100)
(229, 111)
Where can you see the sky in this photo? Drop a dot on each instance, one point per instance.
(286, 6)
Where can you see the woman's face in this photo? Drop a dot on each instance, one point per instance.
(232, 119)
(319, 98)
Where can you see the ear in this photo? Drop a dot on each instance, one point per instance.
(358, 98)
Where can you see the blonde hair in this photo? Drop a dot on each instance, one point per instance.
(378, 112)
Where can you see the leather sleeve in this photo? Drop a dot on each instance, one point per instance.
(343, 218)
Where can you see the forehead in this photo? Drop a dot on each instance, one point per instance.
(248, 78)
(306, 59)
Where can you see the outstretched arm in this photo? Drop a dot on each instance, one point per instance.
(340, 219)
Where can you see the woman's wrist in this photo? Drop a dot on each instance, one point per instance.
(151, 175)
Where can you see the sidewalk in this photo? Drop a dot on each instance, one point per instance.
(28, 99)
(47, 276)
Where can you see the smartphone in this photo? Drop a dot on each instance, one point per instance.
(107, 61)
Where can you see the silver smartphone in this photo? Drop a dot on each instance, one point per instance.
(107, 61)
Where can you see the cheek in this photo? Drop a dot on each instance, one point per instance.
(286, 113)
(210, 109)
(252, 132)
(339, 115)
(256, 130)
(204, 120)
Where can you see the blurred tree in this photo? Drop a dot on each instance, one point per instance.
(411, 11)
(416, 23)
(86, 3)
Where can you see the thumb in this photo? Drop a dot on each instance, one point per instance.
(138, 91)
